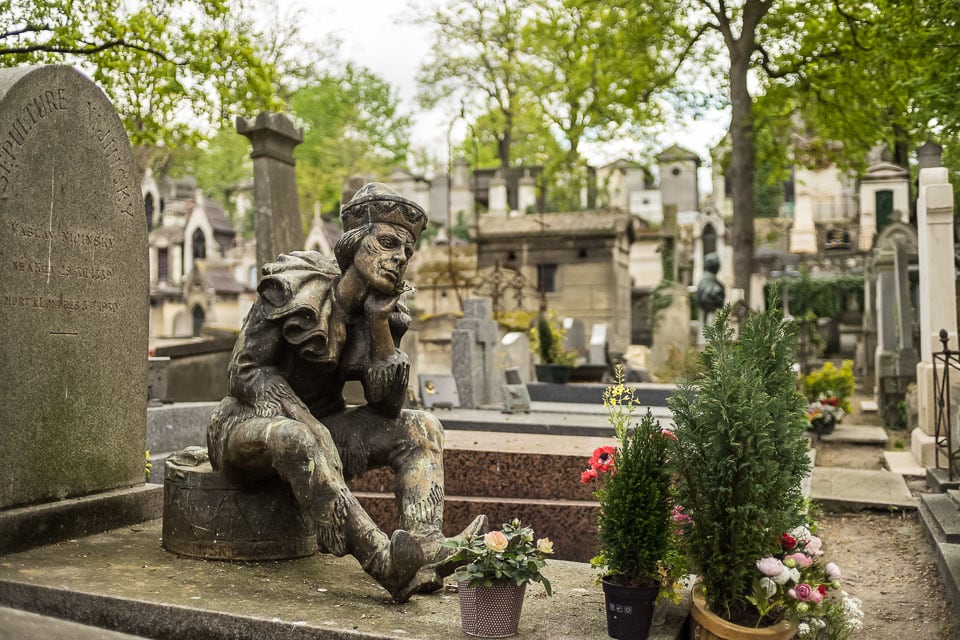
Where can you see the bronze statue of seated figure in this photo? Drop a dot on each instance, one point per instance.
(316, 324)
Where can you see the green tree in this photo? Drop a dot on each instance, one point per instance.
(597, 71)
(352, 125)
(168, 68)
(477, 60)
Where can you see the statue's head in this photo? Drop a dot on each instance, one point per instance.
(711, 262)
(376, 202)
(380, 229)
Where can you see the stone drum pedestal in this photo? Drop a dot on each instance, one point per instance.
(207, 515)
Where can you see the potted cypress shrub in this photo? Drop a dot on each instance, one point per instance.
(546, 339)
(740, 460)
(638, 554)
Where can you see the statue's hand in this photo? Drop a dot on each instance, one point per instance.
(379, 306)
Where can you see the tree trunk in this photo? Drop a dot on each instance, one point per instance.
(741, 171)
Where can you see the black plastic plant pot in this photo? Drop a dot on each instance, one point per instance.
(629, 610)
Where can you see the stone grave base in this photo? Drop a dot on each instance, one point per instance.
(123, 580)
(206, 515)
(40, 524)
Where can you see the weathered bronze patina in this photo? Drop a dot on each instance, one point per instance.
(710, 291)
(315, 325)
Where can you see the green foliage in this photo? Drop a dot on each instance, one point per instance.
(636, 529)
(828, 380)
(517, 320)
(741, 455)
(679, 364)
(546, 339)
(352, 125)
(168, 69)
(821, 297)
(501, 557)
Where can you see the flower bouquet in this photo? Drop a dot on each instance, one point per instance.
(824, 414)
(493, 582)
(796, 584)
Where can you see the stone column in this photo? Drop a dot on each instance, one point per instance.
(884, 355)
(527, 194)
(803, 234)
(497, 202)
(277, 212)
(938, 305)
(907, 356)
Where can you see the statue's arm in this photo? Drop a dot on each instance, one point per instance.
(387, 374)
(254, 378)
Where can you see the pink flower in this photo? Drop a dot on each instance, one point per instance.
(801, 592)
(670, 434)
(496, 541)
(814, 546)
(588, 475)
(798, 559)
(832, 571)
(815, 596)
(770, 566)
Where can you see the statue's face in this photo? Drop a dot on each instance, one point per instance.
(382, 257)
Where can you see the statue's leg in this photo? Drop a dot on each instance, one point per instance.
(306, 458)
(412, 445)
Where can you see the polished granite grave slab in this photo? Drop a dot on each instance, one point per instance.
(124, 581)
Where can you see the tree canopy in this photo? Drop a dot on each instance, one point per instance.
(171, 68)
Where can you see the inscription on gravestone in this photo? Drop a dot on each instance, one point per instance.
(73, 291)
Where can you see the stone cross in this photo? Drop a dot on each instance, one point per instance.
(474, 342)
(277, 211)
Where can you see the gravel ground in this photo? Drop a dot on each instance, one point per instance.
(886, 559)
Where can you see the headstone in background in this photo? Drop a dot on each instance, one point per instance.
(907, 353)
(516, 398)
(576, 336)
(885, 356)
(671, 330)
(598, 344)
(73, 293)
(277, 210)
(474, 343)
(157, 372)
(515, 353)
(438, 391)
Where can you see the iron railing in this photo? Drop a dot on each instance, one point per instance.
(946, 360)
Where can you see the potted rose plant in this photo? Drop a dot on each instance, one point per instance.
(493, 582)
(740, 460)
(638, 554)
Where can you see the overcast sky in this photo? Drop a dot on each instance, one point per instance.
(380, 35)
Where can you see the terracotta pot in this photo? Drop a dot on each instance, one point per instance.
(491, 612)
(708, 626)
(629, 609)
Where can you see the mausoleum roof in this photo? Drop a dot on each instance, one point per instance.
(580, 223)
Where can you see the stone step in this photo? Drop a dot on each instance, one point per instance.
(507, 465)
(942, 517)
(904, 463)
(857, 434)
(869, 406)
(838, 488)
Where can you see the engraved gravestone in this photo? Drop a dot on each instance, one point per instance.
(73, 291)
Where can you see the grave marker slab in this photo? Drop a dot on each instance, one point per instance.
(73, 291)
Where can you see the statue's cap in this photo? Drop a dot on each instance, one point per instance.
(376, 202)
